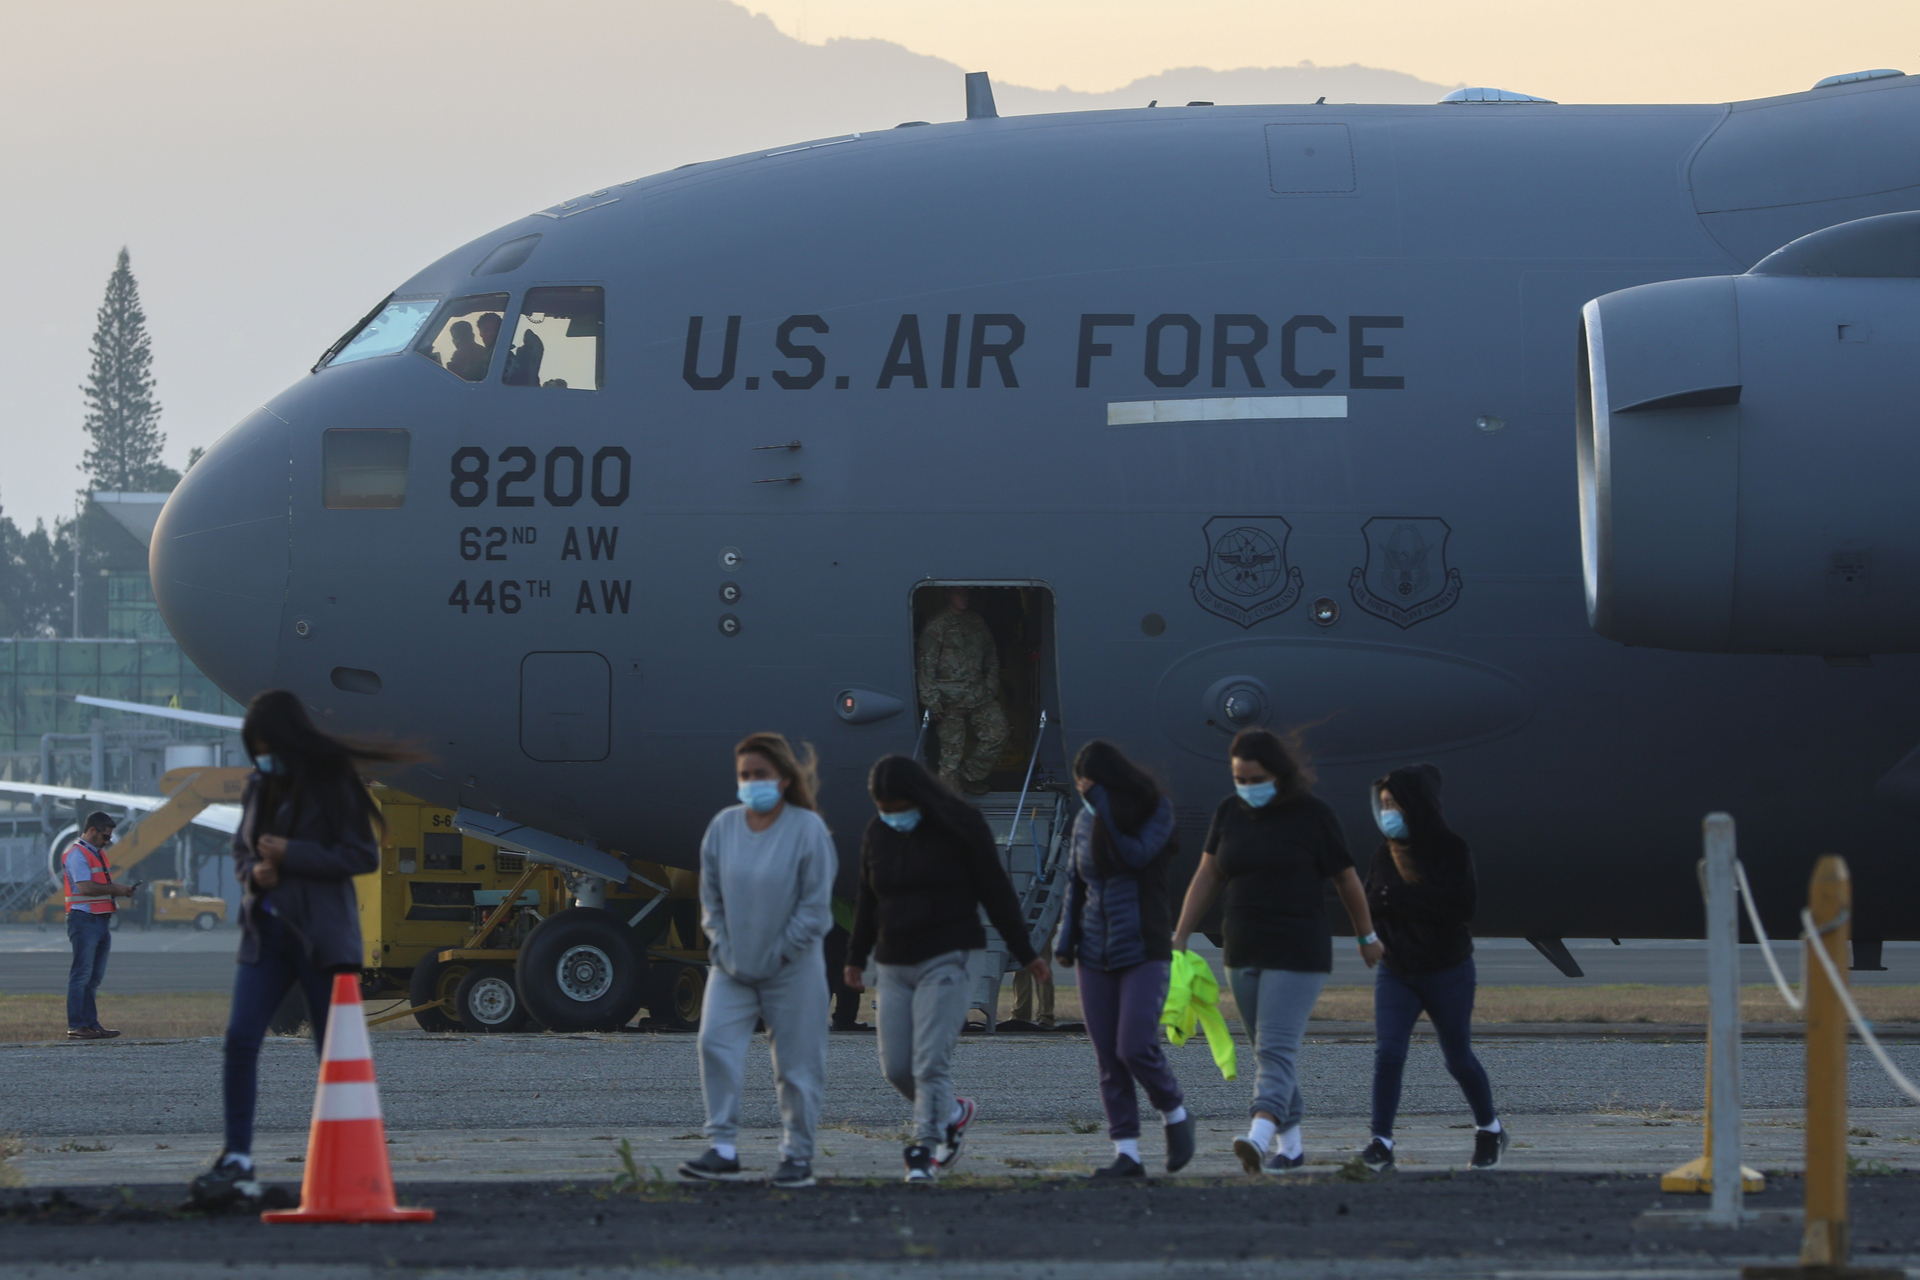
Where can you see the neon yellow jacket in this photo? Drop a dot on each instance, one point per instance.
(1193, 996)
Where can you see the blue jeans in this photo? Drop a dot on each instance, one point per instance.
(258, 989)
(92, 939)
(1275, 1005)
(1447, 996)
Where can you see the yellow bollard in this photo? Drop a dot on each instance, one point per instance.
(1830, 900)
(1695, 1177)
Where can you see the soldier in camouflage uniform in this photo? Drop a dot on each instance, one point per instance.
(959, 678)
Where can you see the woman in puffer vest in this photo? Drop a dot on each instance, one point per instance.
(1118, 930)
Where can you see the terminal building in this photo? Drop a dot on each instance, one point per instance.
(122, 651)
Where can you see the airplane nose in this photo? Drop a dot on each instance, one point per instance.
(219, 556)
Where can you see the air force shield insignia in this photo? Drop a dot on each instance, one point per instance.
(1406, 578)
(1246, 578)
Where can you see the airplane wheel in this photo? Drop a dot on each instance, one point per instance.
(205, 921)
(436, 984)
(674, 993)
(581, 970)
(487, 1000)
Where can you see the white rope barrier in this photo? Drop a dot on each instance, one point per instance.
(1795, 1002)
(1812, 936)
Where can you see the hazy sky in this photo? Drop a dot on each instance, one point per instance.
(1617, 51)
(275, 169)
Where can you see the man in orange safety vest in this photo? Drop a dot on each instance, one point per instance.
(90, 894)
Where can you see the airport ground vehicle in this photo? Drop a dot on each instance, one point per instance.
(172, 902)
(485, 938)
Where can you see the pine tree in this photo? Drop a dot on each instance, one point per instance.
(123, 417)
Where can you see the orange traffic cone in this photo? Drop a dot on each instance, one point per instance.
(348, 1178)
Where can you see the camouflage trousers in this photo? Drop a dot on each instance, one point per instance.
(961, 761)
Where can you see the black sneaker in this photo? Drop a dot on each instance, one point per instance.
(1278, 1166)
(1248, 1154)
(1378, 1156)
(711, 1167)
(228, 1185)
(919, 1163)
(1180, 1144)
(1122, 1167)
(793, 1173)
(947, 1153)
(1489, 1147)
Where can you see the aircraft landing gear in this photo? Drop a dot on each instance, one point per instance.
(582, 970)
(674, 993)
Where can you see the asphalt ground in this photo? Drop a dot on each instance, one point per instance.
(653, 1080)
(1444, 1224)
(120, 1125)
(34, 960)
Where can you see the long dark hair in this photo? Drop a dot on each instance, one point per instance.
(800, 768)
(316, 763)
(897, 778)
(1284, 758)
(1132, 794)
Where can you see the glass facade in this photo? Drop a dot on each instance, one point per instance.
(38, 679)
(132, 613)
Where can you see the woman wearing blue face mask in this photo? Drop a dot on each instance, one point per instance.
(307, 827)
(928, 864)
(1272, 847)
(766, 902)
(1422, 891)
(1114, 928)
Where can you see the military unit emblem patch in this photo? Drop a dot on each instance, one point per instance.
(1246, 578)
(1406, 578)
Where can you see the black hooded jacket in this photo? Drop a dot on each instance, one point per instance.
(1423, 923)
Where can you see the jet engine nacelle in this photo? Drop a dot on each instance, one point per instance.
(1749, 452)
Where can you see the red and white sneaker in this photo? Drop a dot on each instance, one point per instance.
(947, 1153)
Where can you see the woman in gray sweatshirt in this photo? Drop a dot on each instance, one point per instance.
(766, 883)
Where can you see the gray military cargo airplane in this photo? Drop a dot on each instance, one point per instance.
(1229, 416)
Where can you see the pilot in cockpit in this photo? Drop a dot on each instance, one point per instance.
(469, 358)
(523, 362)
(489, 327)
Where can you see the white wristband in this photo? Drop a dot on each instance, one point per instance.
(1369, 940)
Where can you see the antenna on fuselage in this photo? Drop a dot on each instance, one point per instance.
(980, 97)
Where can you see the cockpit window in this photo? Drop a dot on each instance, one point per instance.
(467, 332)
(557, 340)
(389, 329)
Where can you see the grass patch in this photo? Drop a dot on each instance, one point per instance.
(179, 1015)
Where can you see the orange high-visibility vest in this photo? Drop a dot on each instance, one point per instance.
(98, 862)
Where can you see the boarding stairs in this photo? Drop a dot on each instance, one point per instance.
(1030, 828)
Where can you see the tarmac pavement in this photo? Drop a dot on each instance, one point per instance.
(515, 1140)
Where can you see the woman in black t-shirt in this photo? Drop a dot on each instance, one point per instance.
(1273, 846)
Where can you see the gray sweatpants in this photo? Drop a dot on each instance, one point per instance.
(794, 1004)
(922, 1008)
(1275, 1003)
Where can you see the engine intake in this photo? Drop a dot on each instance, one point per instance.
(1749, 448)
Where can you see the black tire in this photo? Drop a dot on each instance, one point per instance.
(488, 1001)
(674, 993)
(582, 970)
(436, 984)
(205, 921)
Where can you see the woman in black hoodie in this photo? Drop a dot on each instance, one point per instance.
(928, 864)
(1422, 894)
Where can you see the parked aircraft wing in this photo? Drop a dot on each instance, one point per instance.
(165, 713)
(218, 817)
